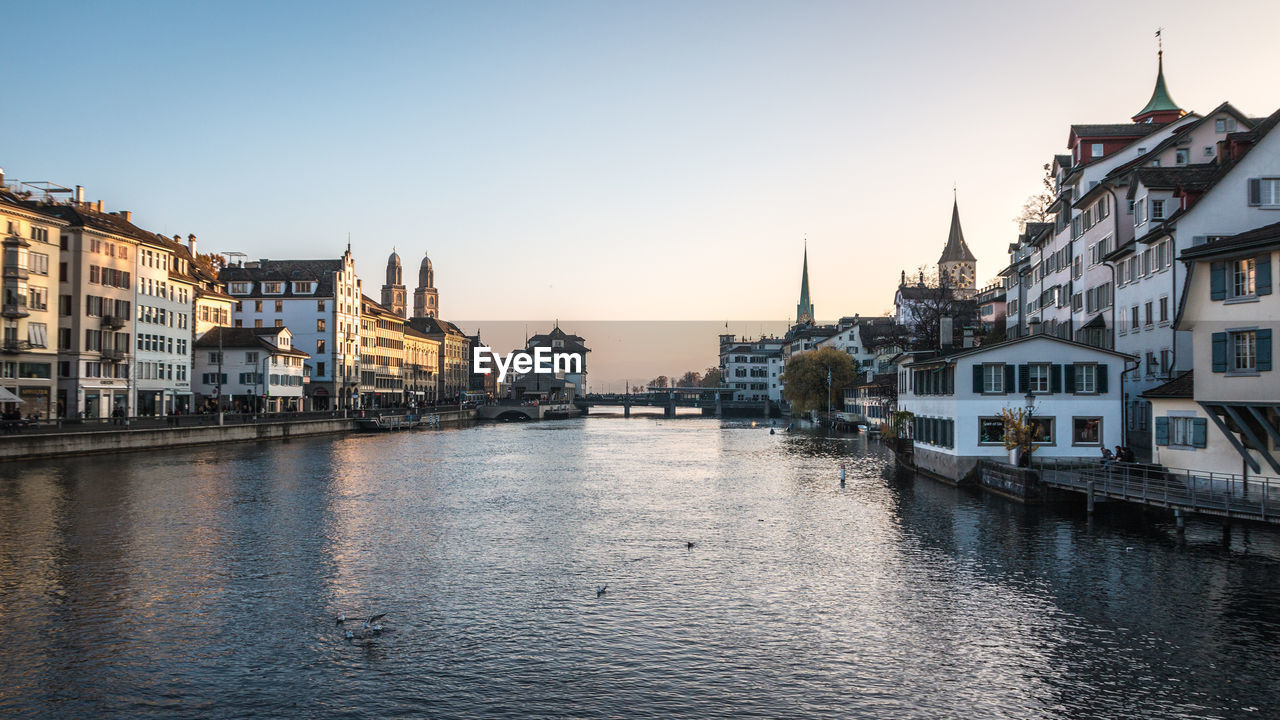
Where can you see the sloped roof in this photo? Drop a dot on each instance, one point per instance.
(1258, 238)
(1160, 100)
(319, 271)
(226, 337)
(1189, 177)
(1179, 387)
(956, 249)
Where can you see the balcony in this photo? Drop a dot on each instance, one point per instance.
(111, 355)
(16, 272)
(10, 347)
(113, 322)
(14, 310)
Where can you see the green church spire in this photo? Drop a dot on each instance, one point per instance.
(804, 311)
(1161, 103)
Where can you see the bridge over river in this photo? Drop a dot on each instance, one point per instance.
(712, 401)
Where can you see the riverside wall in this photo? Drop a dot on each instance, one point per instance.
(53, 445)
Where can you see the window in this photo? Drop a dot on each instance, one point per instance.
(304, 288)
(1208, 151)
(238, 288)
(1157, 209)
(1086, 378)
(990, 431)
(279, 306)
(1243, 275)
(1181, 156)
(1140, 212)
(993, 378)
(257, 306)
(1086, 431)
(1149, 313)
(1181, 431)
(1095, 150)
(319, 306)
(1264, 192)
(1164, 309)
(273, 288)
(320, 325)
(1038, 378)
(1244, 351)
(251, 358)
(320, 369)
(1133, 318)
(1042, 430)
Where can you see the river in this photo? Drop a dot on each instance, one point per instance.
(205, 583)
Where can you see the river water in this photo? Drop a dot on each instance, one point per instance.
(205, 583)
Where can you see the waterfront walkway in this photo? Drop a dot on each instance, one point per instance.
(1184, 491)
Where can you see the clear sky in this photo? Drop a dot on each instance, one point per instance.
(600, 160)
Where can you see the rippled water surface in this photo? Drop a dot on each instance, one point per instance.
(205, 583)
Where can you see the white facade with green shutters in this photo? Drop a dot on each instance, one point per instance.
(1232, 312)
(956, 401)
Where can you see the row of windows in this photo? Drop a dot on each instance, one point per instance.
(1146, 315)
(1148, 262)
(271, 287)
(160, 343)
(111, 277)
(1086, 431)
(160, 371)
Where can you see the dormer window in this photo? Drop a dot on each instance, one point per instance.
(272, 288)
(304, 288)
(238, 288)
(1157, 209)
(1095, 150)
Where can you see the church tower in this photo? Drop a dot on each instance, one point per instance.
(426, 301)
(804, 310)
(393, 293)
(957, 268)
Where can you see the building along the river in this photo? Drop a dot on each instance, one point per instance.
(319, 301)
(251, 369)
(1074, 392)
(31, 260)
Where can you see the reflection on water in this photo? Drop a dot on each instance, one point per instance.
(205, 583)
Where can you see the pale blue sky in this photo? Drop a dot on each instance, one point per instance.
(657, 160)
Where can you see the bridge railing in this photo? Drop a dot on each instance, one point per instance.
(1256, 496)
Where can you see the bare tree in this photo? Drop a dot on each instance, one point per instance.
(660, 381)
(930, 302)
(1036, 208)
(690, 379)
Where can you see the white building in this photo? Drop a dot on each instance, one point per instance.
(164, 292)
(956, 400)
(320, 302)
(1224, 416)
(251, 369)
(753, 368)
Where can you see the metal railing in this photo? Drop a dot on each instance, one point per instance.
(1254, 497)
(17, 428)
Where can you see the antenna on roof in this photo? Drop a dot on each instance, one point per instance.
(235, 258)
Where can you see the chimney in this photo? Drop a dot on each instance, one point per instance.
(127, 215)
(968, 338)
(177, 238)
(98, 206)
(191, 244)
(1, 177)
(79, 195)
(945, 336)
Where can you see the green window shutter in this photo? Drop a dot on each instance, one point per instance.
(1220, 352)
(977, 378)
(1009, 379)
(1162, 431)
(1102, 379)
(1264, 349)
(1218, 281)
(1055, 378)
(1199, 432)
(1262, 278)
(1255, 192)
(1069, 378)
(1024, 378)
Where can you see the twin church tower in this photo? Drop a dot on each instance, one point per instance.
(426, 301)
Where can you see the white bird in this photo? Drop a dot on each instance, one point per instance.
(600, 589)
(342, 617)
(371, 622)
(350, 635)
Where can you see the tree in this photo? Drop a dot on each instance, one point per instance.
(212, 262)
(933, 300)
(660, 381)
(690, 379)
(807, 374)
(712, 378)
(1036, 208)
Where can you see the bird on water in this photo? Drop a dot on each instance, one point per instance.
(600, 590)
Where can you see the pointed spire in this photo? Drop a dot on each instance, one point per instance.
(1161, 107)
(956, 249)
(804, 310)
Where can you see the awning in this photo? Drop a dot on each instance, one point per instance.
(8, 397)
(1096, 323)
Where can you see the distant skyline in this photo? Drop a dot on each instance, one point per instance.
(604, 161)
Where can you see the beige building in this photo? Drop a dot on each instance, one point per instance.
(30, 262)
(453, 366)
(381, 356)
(421, 358)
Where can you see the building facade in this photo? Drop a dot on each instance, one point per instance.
(31, 260)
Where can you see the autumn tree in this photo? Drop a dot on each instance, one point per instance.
(660, 381)
(690, 379)
(813, 377)
(712, 378)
